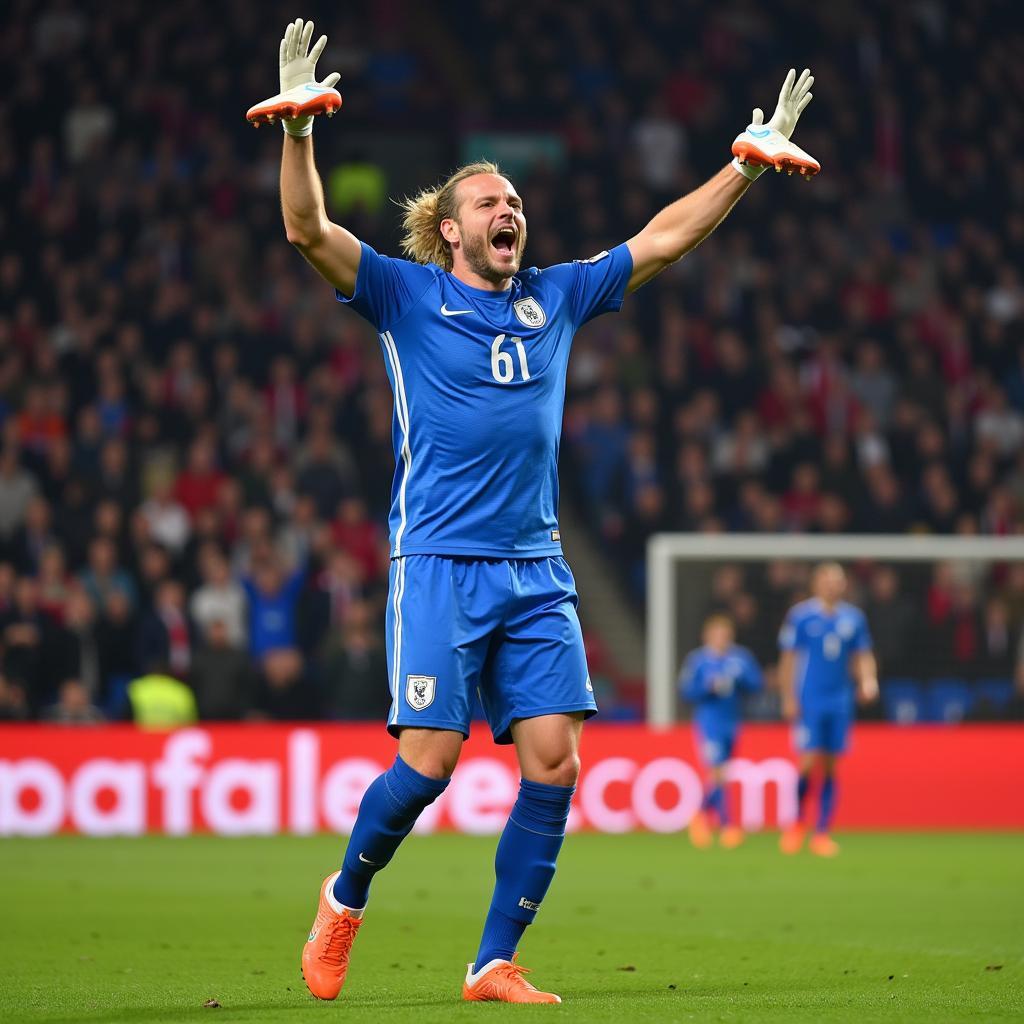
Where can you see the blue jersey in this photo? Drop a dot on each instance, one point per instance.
(479, 385)
(823, 643)
(713, 683)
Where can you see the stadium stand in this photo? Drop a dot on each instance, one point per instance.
(195, 440)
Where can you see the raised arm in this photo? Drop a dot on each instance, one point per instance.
(684, 224)
(333, 251)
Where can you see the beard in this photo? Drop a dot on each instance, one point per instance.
(478, 256)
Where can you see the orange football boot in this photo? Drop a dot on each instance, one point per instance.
(701, 833)
(299, 101)
(502, 981)
(792, 840)
(325, 955)
(823, 845)
(731, 837)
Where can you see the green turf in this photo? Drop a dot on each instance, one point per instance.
(899, 928)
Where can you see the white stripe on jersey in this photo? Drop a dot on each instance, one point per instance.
(402, 411)
(396, 641)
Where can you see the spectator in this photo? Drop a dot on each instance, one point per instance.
(14, 706)
(325, 470)
(76, 645)
(54, 582)
(17, 488)
(116, 634)
(196, 488)
(355, 533)
(355, 670)
(996, 655)
(73, 706)
(283, 689)
(159, 701)
(33, 537)
(165, 633)
(999, 426)
(872, 384)
(166, 519)
(273, 595)
(894, 624)
(222, 675)
(28, 649)
(220, 598)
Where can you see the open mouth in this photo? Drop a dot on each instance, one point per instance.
(504, 241)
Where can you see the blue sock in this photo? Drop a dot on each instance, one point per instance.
(715, 801)
(827, 806)
(387, 813)
(802, 789)
(524, 866)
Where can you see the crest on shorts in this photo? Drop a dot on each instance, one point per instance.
(530, 312)
(419, 691)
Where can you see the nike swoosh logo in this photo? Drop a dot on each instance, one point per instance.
(761, 134)
(313, 934)
(372, 863)
(445, 311)
(310, 87)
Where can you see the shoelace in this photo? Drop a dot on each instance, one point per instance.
(515, 971)
(338, 942)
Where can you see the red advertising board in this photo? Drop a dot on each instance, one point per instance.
(264, 779)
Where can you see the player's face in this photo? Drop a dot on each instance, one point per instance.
(491, 226)
(718, 636)
(830, 584)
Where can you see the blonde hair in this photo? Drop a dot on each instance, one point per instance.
(422, 240)
(719, 619)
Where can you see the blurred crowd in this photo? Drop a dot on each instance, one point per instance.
(195, 440)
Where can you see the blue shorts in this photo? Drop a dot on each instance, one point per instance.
(507, 630)
(825, 729)
(715, 742)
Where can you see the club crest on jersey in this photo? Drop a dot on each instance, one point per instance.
(529, 312)
(419, 691)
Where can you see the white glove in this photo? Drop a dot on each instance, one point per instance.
(794, 96)
(298, 66)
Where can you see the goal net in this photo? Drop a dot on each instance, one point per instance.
(945, 613)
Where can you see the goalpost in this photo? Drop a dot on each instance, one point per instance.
(668, 552)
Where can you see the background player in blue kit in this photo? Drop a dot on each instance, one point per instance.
(825, 646)
(480, 597)
(714, 678)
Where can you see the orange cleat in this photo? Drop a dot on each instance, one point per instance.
(502, 981)
(762, 146)
(701, 834)
(823, 845)
(792, 840)
(731, 837)
(308, 98)
(325, 955)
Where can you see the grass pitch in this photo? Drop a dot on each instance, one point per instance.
(636, 928)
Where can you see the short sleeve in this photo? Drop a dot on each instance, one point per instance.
(593, 286)
(386, 288)
(788, 633)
